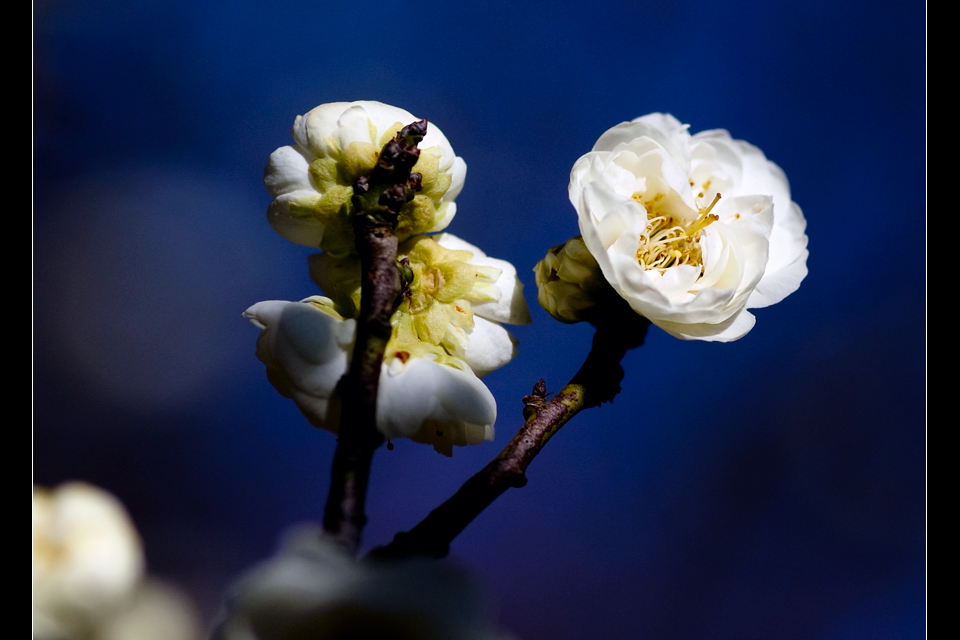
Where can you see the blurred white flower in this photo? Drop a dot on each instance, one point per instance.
(690, 230)
(446, 334)
(87, 559)
(88, 569)
(158, 611)
(312, 180)
(311, 590)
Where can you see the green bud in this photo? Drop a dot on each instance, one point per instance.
(569, 281)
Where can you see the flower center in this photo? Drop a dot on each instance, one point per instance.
(669, 241)
(432, 281)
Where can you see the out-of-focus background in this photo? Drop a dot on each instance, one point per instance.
(769, 488)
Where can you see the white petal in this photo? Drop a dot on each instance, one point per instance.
(458, 173)
(788, 240)
(313, 129)
(288, 169)
(490, 347)
(775, 287)
(678, 281)
(436, 404)
(511, 307)
(355, 125)
(307, 231)
(446, 210)
(729, 330)
(305, 353)
(629, 133)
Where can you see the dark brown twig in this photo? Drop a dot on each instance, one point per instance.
(377, 201)
(597, 381)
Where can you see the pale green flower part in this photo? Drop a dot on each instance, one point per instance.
(458, 298)
(424, 394)
(690, 230)
(312, 180)
(87, 560)
(569, 281)
(312, 590)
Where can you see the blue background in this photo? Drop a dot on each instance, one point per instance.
(769, 488)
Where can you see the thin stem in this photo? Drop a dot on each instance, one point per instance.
(597, 381)
(345, 516)
(377, 201)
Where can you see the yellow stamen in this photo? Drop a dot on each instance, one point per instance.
(667, 241)
(716, 199)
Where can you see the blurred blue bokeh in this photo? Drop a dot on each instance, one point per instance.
(769, 488)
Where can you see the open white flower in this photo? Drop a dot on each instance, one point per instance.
(424, 396)
(312, 180)
(312, 590)
(690, 230)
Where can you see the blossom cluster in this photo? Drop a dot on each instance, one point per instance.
(312, 180)
(691, 231)
(447, 332)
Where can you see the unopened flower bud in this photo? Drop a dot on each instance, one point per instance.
(569, 281)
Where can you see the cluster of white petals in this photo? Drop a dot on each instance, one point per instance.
(311, 590)
(312, 180)
(306, 348)
(429, 392)
(88, 573)
(447, 332)
(690, 230)
(469, 294)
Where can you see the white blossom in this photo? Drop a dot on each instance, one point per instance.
(306, 348)
(87, 560)
(446, 335)
(311, 590)
(88, 573)
(159, 611)
(459, 298)
(312, 180)
(425, 397)
(690, 230)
